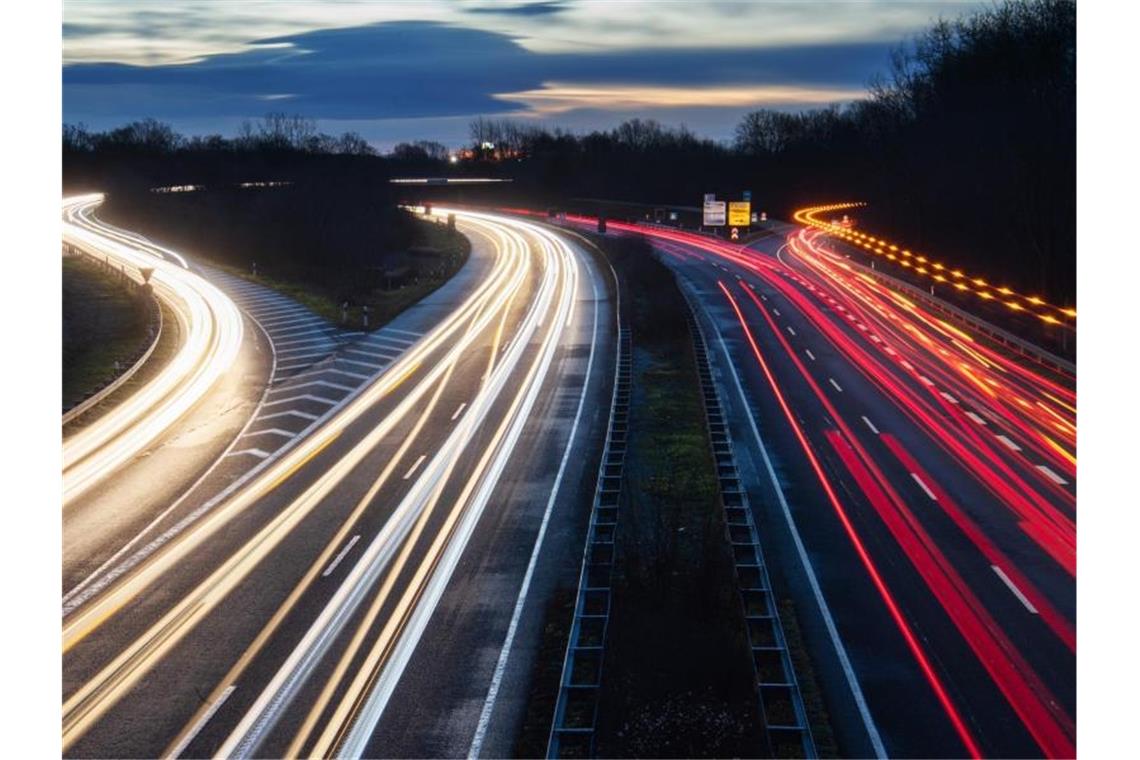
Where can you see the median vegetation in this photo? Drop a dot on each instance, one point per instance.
(677, 676)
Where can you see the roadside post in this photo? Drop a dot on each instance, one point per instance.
(364, 316)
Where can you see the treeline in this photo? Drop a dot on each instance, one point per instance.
(965, 148)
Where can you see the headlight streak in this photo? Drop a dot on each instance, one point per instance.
(106, 688)
(433, 573)
(478, 313)
(211, 326)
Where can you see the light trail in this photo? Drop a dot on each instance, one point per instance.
(933, 270)
(211, 328)
(364, 702)
(425, 366)
(966, 397)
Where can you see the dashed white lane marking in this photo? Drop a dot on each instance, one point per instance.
(1009, 444)
(949, 398)
(871, 425)
(340, 555)
(924, 487)
(791, 331)
(776, 312)
(832, 381)
(412, 469)
(255, 452)
(810, 355)
(976, 418)
(271, 431)
(889, 350)
(193, 732)
(925, 380)
(1052, 475)
(763, 297)
(876, 338)
(907, 364)
(1016, 591)
(290, 413)
(459, 411)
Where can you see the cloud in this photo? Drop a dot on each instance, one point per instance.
(543, 8)
(557, 98)
(404, 70)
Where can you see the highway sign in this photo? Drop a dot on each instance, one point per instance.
(713, 215)
(740, 213)
(710, 197)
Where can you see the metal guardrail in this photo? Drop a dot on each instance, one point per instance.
(115, 383)
(576, 710)
(778, 691)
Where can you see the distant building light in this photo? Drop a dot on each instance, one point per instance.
(454, 159)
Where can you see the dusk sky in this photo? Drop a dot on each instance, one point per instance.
(397, 71)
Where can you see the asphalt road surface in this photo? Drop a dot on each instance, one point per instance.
(355, 593)
(917, 496)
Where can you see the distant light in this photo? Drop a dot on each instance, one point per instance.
(453, 159)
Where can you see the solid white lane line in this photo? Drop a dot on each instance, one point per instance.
(832, 381)
(459, 411)
(1009, 444)
(290, 413)
(340, 555)
(304, 397)
(182, 745)
(810, 355)
(408, 474)
(1016, 591)
(273, 431)
(871, 425)
(398, 330)
(1052, 475)
(976, 418)
(512, 628)
(924, 487)
(852, 679)
(791, 331)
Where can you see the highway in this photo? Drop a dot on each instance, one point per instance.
(210, 328)
(378, 564)
(917, 488)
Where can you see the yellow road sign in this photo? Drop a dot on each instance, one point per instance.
(739, 213)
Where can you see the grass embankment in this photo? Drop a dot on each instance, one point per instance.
(443, 253)
(318, 244)
(105, 325)
(677, 679)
